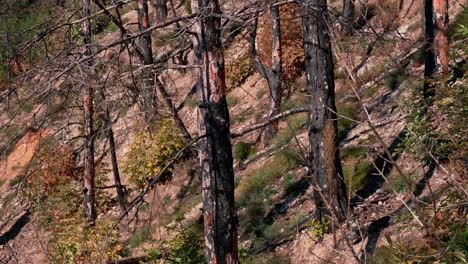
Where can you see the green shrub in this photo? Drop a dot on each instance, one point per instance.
(79, 243)
(243, 150)
(150, 152)
(394, 79)
(185, 247)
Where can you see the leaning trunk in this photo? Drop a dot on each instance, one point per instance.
(89, 170)
(436, 33)
(145, 52)
(219, 213)
(115, 167)
(324, 162)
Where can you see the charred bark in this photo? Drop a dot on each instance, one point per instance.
(219, 213)
(89, 169)
(272, 74)
(348, 16)
(324, 158)
(145, 52)
(436, 48)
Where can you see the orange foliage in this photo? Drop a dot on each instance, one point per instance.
(291, 39)
(55, 166)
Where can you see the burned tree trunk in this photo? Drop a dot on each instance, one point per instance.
(161, 10)
(324, 158)
(89, 169)
(219, 213)
(436, 47)
(145, 53)
(272, 74)
(115, 167)
(348, 16)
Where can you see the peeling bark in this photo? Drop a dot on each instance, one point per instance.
(219, 213)
(324, 160)
(437, 42)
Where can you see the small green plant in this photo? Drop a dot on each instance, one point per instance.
(243, 150)
(318, 228)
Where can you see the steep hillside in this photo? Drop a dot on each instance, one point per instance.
(403, 156)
